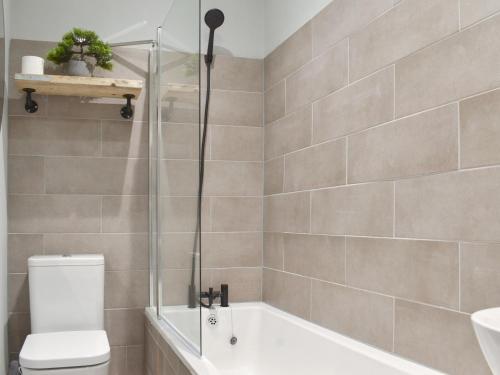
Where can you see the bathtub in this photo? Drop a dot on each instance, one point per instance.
(270, 342)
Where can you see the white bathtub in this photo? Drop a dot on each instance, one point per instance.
(272, 342)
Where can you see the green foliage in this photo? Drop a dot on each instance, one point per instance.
(80, 44)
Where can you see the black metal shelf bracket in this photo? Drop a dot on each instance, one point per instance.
(30, 106)
(127, 112)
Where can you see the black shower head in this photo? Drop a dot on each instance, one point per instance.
(214, 18)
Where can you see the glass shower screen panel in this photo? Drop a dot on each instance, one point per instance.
(179, 225)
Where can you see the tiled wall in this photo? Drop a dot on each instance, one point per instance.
(78, 183)
(382, 172)
(231, 244)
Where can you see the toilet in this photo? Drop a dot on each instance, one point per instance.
(67, 317)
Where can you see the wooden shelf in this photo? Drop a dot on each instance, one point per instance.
(78, 86)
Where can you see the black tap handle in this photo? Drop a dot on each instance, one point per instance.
(224, 295)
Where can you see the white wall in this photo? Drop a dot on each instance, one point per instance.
(253, 28)
(3, 211)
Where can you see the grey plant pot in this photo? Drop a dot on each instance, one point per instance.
(78, 68)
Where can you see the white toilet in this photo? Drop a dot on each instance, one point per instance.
(67, 317)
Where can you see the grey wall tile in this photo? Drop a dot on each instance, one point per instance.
(179, 177)
(362, 315)
(125, 214)
(274, 248)
(240, 143)
(460, 205)
(125, 289)
(26, 175)
(423, 271)
(124, 326)
(462, 65)
(53, 214)
(180, 141)
(320, 257)
(288, 292)
(245, 284)
(30, 136)
(315, 167)
(18, 293)
(125, 139)
(121, 251)
(109, 176)
(406, 28)
(479, 130)
(236, 214)
(226, 178)
(221, 250)
(288, 134)
(18, 328)
(472, 11)
(235, 108)
(356, 210)
(289, 56)
(287, 213)
(273, 175)
(179, 214)
(236, 73)
(364, 104)
(439, 338)
(324, 74)
(421, 144)
(19, 248)
(274, 102)
(479, 276)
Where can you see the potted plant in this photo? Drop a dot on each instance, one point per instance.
(82, 50)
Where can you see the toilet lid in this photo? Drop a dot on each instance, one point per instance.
(64, 349)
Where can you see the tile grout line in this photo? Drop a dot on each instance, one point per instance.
(394, 211)
(459, 136)
(459, 275)
(393, 324)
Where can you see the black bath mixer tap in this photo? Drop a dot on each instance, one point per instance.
(212, 295)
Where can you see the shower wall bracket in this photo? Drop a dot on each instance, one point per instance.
(88, 87)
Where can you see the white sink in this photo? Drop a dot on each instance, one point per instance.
(486, 324)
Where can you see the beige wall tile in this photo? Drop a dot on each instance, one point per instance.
(180, 105)
(356, 210)
(242, 143)
(125, 326)
(18, 293)
(461, 205)
(324, 74)
(421, 144)
(273, 175)
(125, 139)
(236, 73)
(53, 214)
(18, 328)
(179, 214)
(180, 141)
(472, 11)
(320, 257)
(315, 167)
(235, 108)
(364, 104)
(175, 286)
(135, 360)
(288, 134)
(33, 136)
(111, 176)
(118, 361)
(406, 28)
(288, 292)
(125, 289)
(289, 56)
(121, 251)
(19, 248)
(274, 248)
(25, 175)
(287, 213)
(125, 214)
(236, 214)
(179, 177)
(245, 284)
(274, 102)
(439, 338)
(423, 271)
(479, 130)
(479, 276)
(361, 315)
(177, 249)
(341, 18)
(231, 250)
(462, 65)
(226, 178)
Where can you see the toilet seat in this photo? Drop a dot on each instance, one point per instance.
(55, 350)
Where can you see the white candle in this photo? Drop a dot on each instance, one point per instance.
(32, 65)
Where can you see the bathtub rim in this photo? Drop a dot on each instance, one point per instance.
(196, 362)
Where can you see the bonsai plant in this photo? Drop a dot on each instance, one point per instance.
(83, 50)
